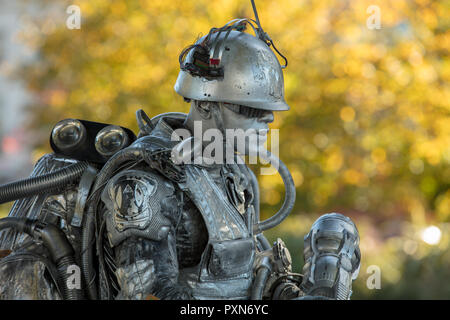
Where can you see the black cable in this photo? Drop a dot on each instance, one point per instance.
(285, 59)
(256, 14)
(19, 224)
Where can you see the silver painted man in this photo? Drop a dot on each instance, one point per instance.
(160, 226)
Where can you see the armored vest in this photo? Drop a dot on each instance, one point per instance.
(223, 195)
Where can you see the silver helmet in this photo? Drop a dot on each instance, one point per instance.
(232, 66)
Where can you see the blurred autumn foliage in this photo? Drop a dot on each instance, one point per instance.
(368, 133)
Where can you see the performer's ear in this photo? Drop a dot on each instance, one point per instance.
(204, 108)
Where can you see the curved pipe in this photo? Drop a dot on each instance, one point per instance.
(18, 224)
(262, 275)
(260, 281)
(289, 199)
(62, 254)
(61, 251)
(265, 244)
(41, 184)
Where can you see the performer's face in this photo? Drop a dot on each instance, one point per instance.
(254, 129)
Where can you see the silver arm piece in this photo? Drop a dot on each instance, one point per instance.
(332, 257)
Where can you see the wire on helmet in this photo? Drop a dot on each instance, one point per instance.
(207, 56)
(203, 63)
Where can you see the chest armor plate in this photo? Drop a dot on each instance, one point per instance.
(226, 267)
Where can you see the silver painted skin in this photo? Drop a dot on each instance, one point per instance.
(252, 74)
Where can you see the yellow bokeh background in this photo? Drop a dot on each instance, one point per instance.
(368, 133)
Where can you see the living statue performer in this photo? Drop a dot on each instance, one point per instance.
(110, 215)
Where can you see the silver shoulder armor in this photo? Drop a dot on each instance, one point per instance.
(133, 201)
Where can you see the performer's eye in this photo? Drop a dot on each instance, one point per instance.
(248, 112)
(251, 112)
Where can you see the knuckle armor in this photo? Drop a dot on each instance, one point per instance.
(332, 257)
(134, 200)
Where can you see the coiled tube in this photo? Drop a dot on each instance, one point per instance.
(289, 199)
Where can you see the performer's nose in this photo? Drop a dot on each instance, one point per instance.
(266, 117)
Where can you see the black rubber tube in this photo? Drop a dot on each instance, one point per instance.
(289, 199)
(260, 282)
(87, 238)
(54, 239)
(69, 293)
(41, 184)
(262, 275)
(18, 224)
(265, 244)
(62, 254)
